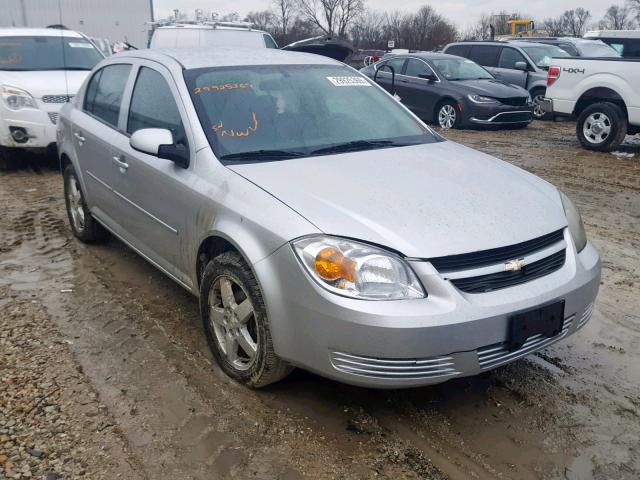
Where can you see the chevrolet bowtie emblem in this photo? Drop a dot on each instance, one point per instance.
(514, 265)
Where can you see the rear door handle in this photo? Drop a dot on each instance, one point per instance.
(79, 137)
(120, 162)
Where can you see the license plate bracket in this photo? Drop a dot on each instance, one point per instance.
(546, 321)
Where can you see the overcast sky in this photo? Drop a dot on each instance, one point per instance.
(461, 12)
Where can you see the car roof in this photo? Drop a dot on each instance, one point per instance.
(228, 57)
(426, 55)
(498, 43)
(37, 32)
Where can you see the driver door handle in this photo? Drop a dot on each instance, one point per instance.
(79, 137)
(120, 162)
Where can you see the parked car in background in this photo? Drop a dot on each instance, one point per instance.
(321, 224)
(210, 34)
(520, 63)
(603, 94)
(625, 42)
(41, 69)
(575, 47)
(324, 45)
(452, 92)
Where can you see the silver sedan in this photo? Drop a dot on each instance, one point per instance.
(320, 223)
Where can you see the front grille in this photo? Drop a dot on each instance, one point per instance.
(467, 261)
(53, 116)
(498, 354)
(496, 281)
(56, 98)
(514, 101)
(392, 369)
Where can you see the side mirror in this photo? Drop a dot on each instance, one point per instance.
(521, 66)
(427, 76)
(159, 143)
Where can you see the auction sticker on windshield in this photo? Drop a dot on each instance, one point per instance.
(349, 81)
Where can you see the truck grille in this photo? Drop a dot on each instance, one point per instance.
(56, 98)
(394, 369)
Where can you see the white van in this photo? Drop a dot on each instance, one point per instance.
(213, 34)
(41, 69)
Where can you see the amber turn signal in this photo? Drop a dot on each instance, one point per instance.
(332, 265)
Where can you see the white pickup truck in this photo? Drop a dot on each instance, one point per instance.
(603, 94)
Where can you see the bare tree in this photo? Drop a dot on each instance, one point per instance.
(333, 17)
(635, 6)
(575, 21)
(617, 18)
(262, 20)
(285, 10)
(555, 27)
(368, 30)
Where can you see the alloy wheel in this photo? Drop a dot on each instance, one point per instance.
(538, 111)
(597, 128)
(447, 116)
(232, 318)
(76, 204)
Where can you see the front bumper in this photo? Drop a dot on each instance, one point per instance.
(478, 114)
(408, 343)
(39, 125)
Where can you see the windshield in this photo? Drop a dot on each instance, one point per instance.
(596, 49)
(460, 69)
(542, 56)
(47, 53)
(281, 111)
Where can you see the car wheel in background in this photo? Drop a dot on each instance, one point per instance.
(8, 159)
(601, 126)
(538, 112)
(236, 324)
(448, 115)
(83, 225)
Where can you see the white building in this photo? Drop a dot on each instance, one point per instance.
(116, 20)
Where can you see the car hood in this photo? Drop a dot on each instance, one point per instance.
(492, 88)
(48, 82)
(423, 201)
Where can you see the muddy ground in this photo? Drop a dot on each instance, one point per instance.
(105, 372)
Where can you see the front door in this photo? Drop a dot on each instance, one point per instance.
(419, 94)
(507, 71)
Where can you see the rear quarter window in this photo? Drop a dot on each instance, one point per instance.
(485, 55)
(459, 50)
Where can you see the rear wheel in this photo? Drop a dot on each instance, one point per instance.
(602, 127)
(236, 324)
(448, 115)
(83, 225)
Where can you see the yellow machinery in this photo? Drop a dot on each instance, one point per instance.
(521, 28)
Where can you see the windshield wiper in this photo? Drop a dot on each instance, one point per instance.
(358, 145)
(258, 155)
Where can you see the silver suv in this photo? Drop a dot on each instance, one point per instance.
(520, 63)
(321, 224)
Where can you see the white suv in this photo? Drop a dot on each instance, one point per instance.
(212, 34)
(40, 70)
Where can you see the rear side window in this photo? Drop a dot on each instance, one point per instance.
(269, 41)
(104, 93)
(485, 55)
(153, 106)
(509, 57)
(395, 63)
(459, 50)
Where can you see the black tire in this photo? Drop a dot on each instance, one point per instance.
(264, 367)
(8, 159)
(451, 106)
(538, 113)
(606, 116)
(88, 230)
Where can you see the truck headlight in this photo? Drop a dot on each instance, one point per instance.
(357, 270)
(481, 99)
(16, 98)
(576, 227)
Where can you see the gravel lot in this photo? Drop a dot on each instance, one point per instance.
(105, 372)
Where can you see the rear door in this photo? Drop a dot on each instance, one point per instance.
(506, 69)
(486, 56)
(385, 78)
(93, 129)
(155, 193)
(419, 94)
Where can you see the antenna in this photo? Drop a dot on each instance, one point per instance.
(64, 53)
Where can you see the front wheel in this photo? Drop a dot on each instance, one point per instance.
(538, 112)
(236, 324)
(448, 116)
(601, 127)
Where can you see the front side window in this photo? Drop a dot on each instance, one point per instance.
(282, 111)
(269, 41)
(153, 106)
(509, 57)
(416, 67)
(104, 93)
(454, 69)
(542, 55)
(47, 53)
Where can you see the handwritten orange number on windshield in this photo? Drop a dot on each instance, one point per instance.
(239, 133)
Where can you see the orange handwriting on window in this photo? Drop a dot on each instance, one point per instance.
(219, 128)
(225, 86)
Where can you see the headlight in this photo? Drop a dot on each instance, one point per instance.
(480, 99)
(357, 270)
(17, 99)
(576, 227)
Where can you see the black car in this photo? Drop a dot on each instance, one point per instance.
(451, 91)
